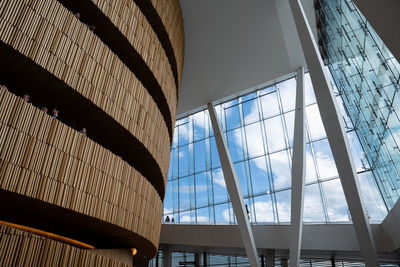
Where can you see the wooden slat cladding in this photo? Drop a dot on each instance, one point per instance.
(166, 19)
(43, 159)
(130, 21)
(20, 248)
(171, 16)
(65, 47)
(124, 29)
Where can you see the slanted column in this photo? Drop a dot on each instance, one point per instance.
(234, 191)
(336, 134)
(298, 173)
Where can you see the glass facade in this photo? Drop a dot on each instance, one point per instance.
(258, 128)
(188, 259)
(367, 76)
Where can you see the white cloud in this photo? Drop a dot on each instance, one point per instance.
(281, 169)
(167, 211)
(335, 201)
(263, 211)
(218, 178)
(225, 214)
(185, 219)
(283, 210)
(326, 164)
(203, 219)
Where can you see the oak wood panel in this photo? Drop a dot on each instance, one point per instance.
(43, 159)
(171, 15)
(67, 49)
(20, 248)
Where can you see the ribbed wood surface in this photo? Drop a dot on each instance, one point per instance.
(171, 15)
(64, 46)
(20, 248)
(42, 158)
(126, 16)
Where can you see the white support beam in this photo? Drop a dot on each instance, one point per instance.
(234, 191)
(298, 173)
(336, 135)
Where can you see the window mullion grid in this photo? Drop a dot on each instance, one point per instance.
(246, 157)
(266, 158)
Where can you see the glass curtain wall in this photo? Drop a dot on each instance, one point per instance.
(188, 259)
(258, 128)
(368, 77)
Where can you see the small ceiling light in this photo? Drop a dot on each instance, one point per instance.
(134, 251)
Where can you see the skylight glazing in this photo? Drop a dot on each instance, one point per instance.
(258, 128)
(368, 77)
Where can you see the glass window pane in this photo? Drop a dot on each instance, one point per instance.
(174, 163)
(308, 90)
(241, 173)
(275, 134)
(232, 116)
(270, 105)
(283, 205)
(183, 131)
(255, 144)
(356, 150)
(289, 120)
(372, 198)
(184, 193)
(311, 173)
(184, 217)
(203, 216)
(175, 197)
(317, 130)
(325, 162)
(281, 172)
(235, 144)
(250, 111)
(220, 191)
(201, 189)
(183, 160)
(168, 204)
(215, 163)
(287, 90)
(200, 156)
(259, 175)
(263, 209)
(199, 123)
(335, 201)
(313, 208)
(222, 213)
(267, 90)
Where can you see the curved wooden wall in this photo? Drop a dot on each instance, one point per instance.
(72, 53)
(59, 180)
(44, 159)
(19, 248)
(166, 19)
(171, 16)
(126, 16)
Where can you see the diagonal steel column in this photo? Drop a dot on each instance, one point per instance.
(298, 173)
(336, 135)
(234, 191)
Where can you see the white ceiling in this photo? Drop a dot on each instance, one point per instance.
(233, 45)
